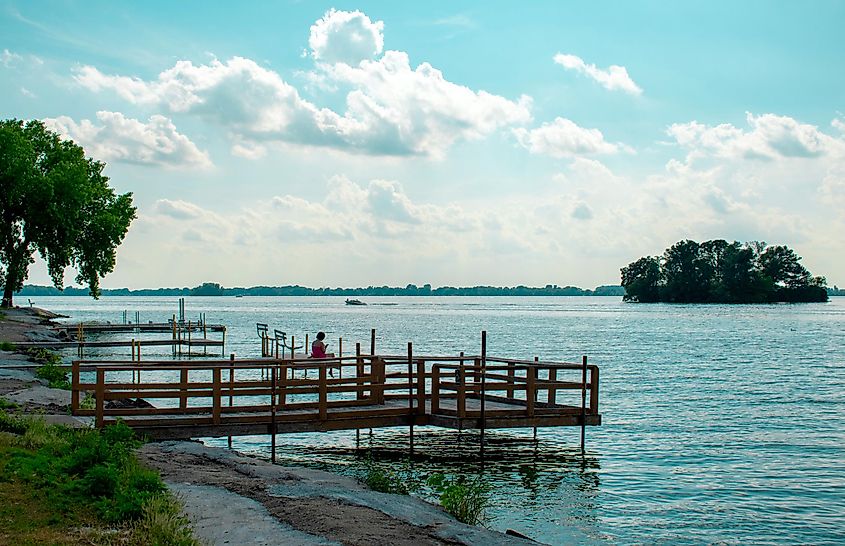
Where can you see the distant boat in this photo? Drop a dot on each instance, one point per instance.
(354, 302)
(239, 296)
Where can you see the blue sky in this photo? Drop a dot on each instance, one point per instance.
(452, 143)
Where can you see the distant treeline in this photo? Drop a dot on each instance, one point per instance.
(214, 289)
(721, 272)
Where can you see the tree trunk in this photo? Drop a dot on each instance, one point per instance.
(7, 295)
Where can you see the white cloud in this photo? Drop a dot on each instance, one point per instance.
(346, 37)
(391, 108)
(770, 137)
(119, 138)
(179, 210)
(8, 58)
(615, 77)
(564, 138)
(27, 93)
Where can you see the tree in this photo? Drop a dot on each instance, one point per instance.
(57, 202)
(688, 274)
(780, 264)
(642, 280)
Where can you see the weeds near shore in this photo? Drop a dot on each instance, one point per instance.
(465, 499)
(383, 480)
(7, 345)
(87, 477)
(50, 369)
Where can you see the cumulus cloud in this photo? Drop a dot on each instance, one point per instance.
(391, 108)
(615, 77)
(768, 137)
(346, 37)
(564, 138)
(119, 138)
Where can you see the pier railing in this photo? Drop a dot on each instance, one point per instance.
(351, 392)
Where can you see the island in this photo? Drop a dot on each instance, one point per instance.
(721, 272)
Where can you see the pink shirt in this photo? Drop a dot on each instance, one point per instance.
(318, 349)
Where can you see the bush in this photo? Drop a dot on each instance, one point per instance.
(465, 499)
(5, 345)
(55, 376)
(162, 522)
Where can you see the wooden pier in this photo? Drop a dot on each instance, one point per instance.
(214, 398)
(181, 336)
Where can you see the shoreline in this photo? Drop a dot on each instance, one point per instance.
(239, 499)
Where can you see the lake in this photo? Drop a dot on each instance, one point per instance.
(722, 424)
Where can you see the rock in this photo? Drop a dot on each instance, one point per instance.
(128, 403)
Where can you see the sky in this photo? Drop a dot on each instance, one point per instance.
(450, 143)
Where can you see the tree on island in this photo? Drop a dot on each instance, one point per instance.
(721, 272)
(55, 201)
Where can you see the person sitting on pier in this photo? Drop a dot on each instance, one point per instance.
(318, 348)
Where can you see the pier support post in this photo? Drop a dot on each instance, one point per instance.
(231, 388)
(583, 400)
(411, 393)
(483, 384)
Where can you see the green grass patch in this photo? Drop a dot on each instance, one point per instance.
(5, 404)
(7, 345)
(466, 499)
(80, 477)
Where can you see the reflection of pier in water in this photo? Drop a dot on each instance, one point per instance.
(271, 395)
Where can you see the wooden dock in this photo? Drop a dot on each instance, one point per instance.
(269, 396)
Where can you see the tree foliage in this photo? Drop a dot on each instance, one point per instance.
(57, 202)
(721, 272)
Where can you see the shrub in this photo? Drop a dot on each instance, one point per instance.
(465, 499)
(5, 404)
(5, 345)
(55, 376)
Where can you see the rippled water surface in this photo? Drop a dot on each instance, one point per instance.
(721, 424)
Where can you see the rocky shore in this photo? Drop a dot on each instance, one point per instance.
(233, 499)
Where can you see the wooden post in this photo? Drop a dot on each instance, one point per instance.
(324, 395)
(101, 394)
(74, 385)
(594, 390)
(340, 347)
(231, 388)
(307, 347)
(531, 390)
(483, 382)
(273, 414)
(133, 354)
(381, 378)
(460, 379)
(189, 337)
(583, 400)
(293, 351)
(174, 334)
(420, 387)
(512, 379)
(359, 371)
(373, 341)
(411, 393)
(183, 388)
(215, 400)
(435, 389)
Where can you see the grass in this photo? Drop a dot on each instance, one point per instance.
(466, 499)
(82, 484)
(7, 345)
(5, 404)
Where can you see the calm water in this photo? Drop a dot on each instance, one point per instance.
(722, 424)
